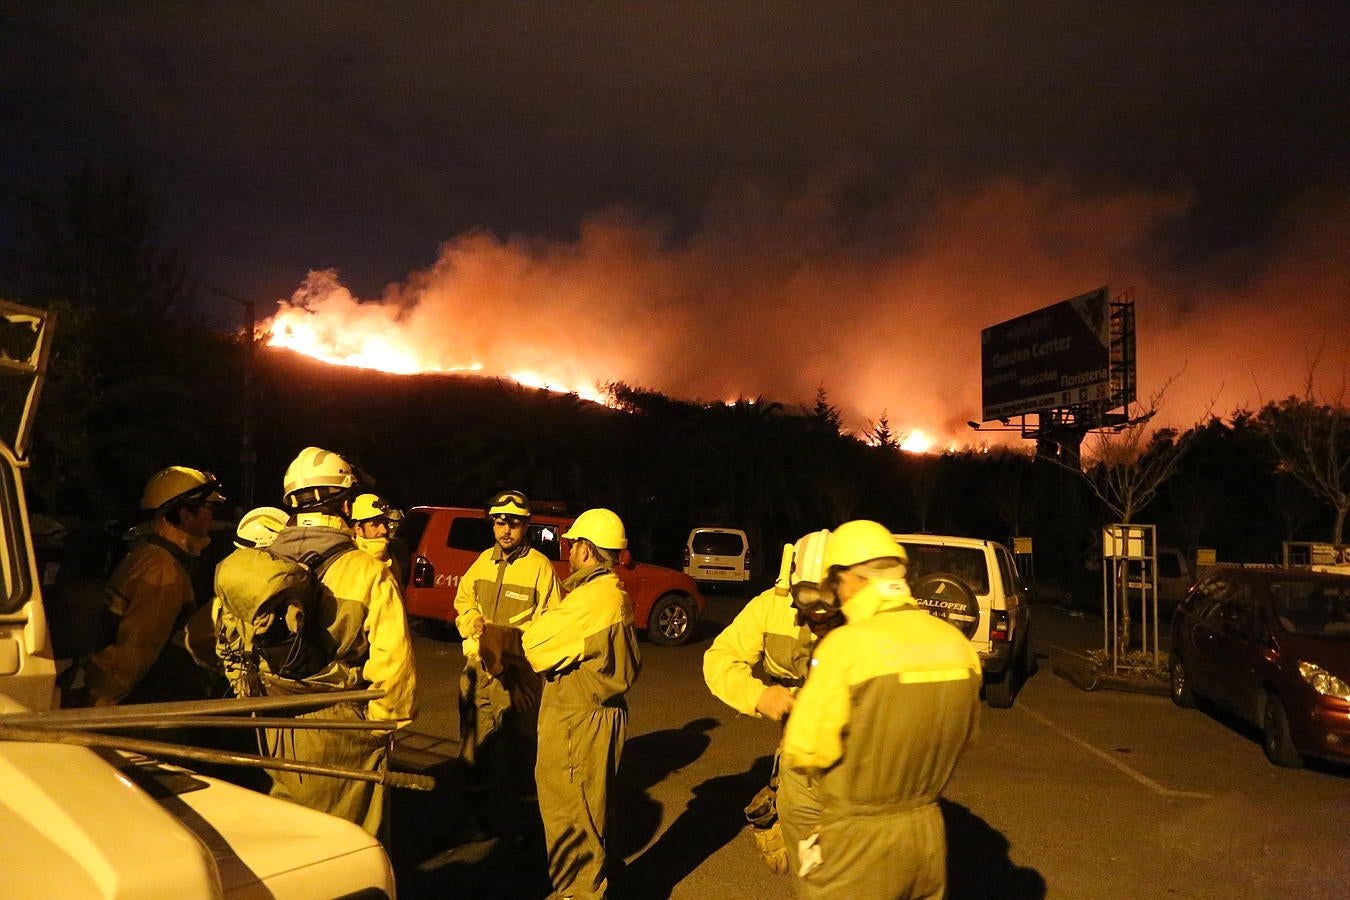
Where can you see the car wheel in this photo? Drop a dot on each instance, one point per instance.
(999, 694)
(1275, 739)
(950, 598)
(1180, 685)
(672, 621)
(1031, 663)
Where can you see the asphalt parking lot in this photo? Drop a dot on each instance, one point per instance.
(1070, 793)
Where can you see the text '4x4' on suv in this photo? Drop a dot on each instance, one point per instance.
(445, 540)
(974, 585)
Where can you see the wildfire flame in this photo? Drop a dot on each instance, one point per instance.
(325, 322)
(917, 442)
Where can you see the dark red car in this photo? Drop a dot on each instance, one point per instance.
(1273, 647)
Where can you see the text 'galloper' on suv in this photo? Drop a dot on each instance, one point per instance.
(445, 540)
(974, 585)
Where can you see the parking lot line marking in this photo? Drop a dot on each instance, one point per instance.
(1102, 754)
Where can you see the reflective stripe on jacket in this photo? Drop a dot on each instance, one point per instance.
(764, 632)
(891, 702)
(505, 590)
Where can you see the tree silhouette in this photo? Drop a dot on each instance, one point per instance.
(1312, 439)
(119, 402)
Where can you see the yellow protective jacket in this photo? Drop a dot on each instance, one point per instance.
(585, 645)
(151, 594)
(366, 621)
(587, 651)
(506, 590)
(892, 700)
(766, 633)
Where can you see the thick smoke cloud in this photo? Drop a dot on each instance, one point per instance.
(774, 301)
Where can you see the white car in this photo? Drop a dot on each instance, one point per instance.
(715, 555)
(975, 585)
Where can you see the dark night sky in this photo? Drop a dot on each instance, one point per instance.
(717, 182)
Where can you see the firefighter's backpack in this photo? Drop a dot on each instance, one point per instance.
(269, 615)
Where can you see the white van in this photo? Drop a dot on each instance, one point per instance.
(713, 554)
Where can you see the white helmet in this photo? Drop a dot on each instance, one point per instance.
(808, 574)
(808, 558)
(179, 484)
(601, 527)
(316, 476)
(259, 527)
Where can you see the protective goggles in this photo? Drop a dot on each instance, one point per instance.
(206, 495)
(811, 598)
(508, 521)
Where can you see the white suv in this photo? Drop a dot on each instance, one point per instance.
(974, 584)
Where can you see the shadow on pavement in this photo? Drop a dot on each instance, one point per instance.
(711, 819)
(433, 856)
(978, 865)
(647, 760)
(429, 840)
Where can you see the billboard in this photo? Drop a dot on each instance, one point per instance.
(1055, 357)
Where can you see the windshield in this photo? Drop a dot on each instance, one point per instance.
(1316, 608)
(967, 563)
(718, 543)
(15, 581)
(25, 341)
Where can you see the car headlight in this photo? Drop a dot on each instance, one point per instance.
(1323, 681)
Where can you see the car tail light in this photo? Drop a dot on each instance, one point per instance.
(749, 560)
(686, 557)
(998, 625)
(424, 573)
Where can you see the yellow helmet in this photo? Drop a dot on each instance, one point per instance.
(259, 527)
(179, 484)
(509, 503)
(601, 527)
(860, 541)
(369, 506)
(316, 475)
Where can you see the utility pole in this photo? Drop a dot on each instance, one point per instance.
(248, 453)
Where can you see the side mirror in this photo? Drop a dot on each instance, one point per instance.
(423, 573)
(626, 558)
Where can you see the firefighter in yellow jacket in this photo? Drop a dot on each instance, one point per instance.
(776, 634)
(508, 584)
(367, 633)
(586, 649)
(891, 702)
(151, 598)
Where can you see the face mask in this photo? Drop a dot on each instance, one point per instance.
(376, 547)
